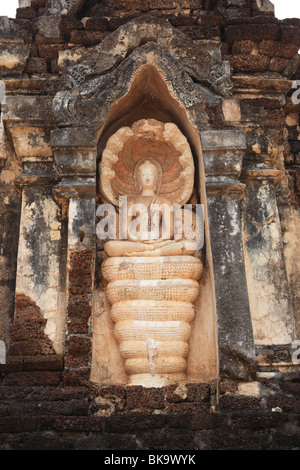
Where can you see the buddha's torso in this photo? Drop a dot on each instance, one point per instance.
(149, 214)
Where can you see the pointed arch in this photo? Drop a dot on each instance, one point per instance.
(106, 71)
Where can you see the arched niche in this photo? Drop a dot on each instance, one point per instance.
(150, 96)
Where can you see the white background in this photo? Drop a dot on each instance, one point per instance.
(8, 8)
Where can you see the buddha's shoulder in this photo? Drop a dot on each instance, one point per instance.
(163, 200)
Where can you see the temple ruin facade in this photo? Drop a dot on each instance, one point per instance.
(114, 333)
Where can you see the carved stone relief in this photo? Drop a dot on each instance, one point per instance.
(103, 75)
(152, 280)
(63, 6)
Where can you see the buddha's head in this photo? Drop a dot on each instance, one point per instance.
(147, 176)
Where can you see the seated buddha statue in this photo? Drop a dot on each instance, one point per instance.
(155, 217)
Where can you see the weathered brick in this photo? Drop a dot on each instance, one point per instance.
(295, 147)
(26, 13)
(162, 4)
(33, 50)
(72, 407)
(248, 63)
(198, 392)
(30, 347)
(291, 184)
(25, 379)
(192, 4)
(278, 64)
(212, 20)
(138, 397)
(265, 18)
(79, 310)
(26, 24)
(290, 34)
(36, 65)
(291, 22)
(297, 180)
(256, 421)
(290, 388)
(243, 440)
(41, 39)
(14, 392)
(79, 293)
(39, 3)
(5, 410)
(46, 393)
(54, 66)
(37, 440)
(235, 402)
(26, 35)
(134, 423)
(80, 424)
(215, 116)
(67, 25)
(46, 363)
(252, 32)
(266, 103)
(286, 403)
(118, 391)
(278, 49)
(131, 5)
(79, 344)
(49, 51)
(283, 441)
(87, 38)
(243, 47)
(76, 327)
(197, 407)
(182, 21)
(77, 277)
(28, 337)
(233, 13)
(201, 420)
(168, 439)
(77, 377)
(116, 22)
(227, 387)
(13, 424)
(81, 260)
(262, 18)
(201, 32)
(266, 112)
(97, 24)
(77, 360)
(13, 364)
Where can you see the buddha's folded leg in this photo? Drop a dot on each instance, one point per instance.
(151, 248)
(143, 253)
(182, 247)
(124, 247)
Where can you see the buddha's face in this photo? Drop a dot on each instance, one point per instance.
(148, 176)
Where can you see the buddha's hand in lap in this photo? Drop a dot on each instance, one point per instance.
(158, 243)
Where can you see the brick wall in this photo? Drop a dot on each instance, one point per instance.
(39, 412)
